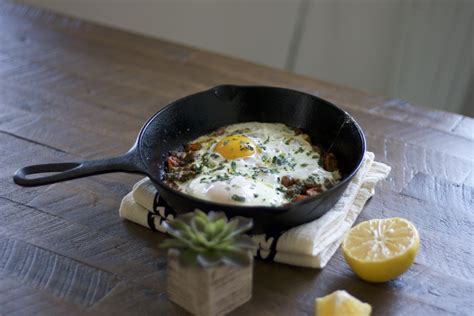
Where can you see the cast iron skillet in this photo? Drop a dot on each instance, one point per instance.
(203, 112)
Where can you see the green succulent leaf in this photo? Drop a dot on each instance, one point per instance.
(242, 225)
(210, 239)
(227, 230)
(214, 216)
(200, 223)
(177, 224)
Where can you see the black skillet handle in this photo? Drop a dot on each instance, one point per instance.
(129, 162)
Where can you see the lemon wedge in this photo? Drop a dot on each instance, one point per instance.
(380, 250)
(341, 303)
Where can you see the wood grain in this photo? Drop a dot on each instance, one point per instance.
(61, 276)
(71, 90)
(208, 292)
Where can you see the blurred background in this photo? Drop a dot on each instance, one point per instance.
(416, 50)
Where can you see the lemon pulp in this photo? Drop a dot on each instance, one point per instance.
(341, 303)
(380, 250)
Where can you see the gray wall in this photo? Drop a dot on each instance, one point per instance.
(417, 50)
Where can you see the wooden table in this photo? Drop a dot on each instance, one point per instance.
(71, 90)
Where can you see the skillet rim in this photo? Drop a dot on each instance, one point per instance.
(260, 208)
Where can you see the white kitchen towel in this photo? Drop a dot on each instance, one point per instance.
(308, 245)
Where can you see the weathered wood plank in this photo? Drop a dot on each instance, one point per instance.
(264, 75)
(79, 141)
(309, 284)
(64, 278)
(134, 299)
(17, 298)
(456, 196)
(102, 121)
(95, 248)
(403, 111)
(465, 128)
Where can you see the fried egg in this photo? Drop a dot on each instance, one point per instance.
(244, 164)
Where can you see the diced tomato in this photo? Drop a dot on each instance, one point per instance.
(193, 147)
(299, 198)
(287, 181)
(172, 162)
(314, 191)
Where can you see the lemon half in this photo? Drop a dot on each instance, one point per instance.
(380, 250)
(341, 303)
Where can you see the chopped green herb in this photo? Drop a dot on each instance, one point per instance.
(220, 167)
(267, 140)
(222, 177)
(267, 170)
(304, 165)
(299, 150)
(255, 195)
(288, 141)
(214, 155)
(237, 198)
(278, 160)
(196, 168)
(281, 189)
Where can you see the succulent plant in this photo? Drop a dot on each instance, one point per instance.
(210, 239)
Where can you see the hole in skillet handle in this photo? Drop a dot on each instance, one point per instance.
(40, 174)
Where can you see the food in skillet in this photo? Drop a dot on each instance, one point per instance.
(268, 164)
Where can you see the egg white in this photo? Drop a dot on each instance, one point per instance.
(255, 180)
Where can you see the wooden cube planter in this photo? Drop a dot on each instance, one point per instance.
(208, 291)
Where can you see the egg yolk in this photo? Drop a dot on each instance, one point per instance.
(236, 146)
